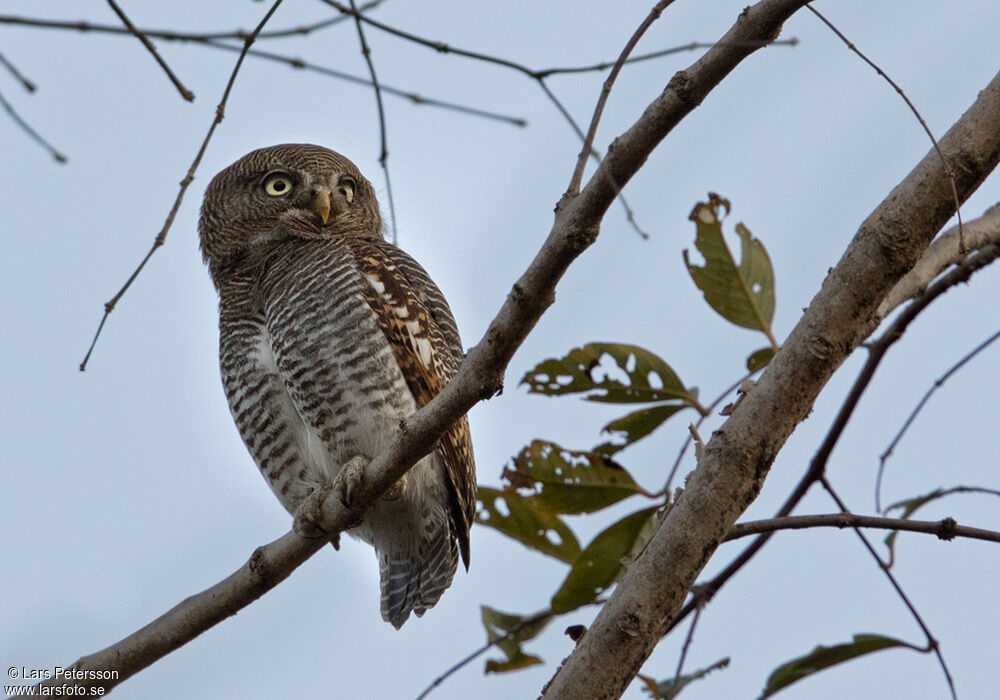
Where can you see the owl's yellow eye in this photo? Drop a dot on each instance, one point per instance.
(278, 185)
(346, 188)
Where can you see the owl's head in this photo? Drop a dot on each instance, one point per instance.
(288, 191)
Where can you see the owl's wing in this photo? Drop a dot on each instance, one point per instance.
(416, 320)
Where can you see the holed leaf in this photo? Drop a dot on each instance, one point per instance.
(603, 561)
(635, 426)
(671, 687)
(743, 293)
(508, 631)
(567, 481)
(611, 373)
(824, 657)
(528, 521)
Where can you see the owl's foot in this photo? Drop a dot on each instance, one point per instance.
(350, 478)
(308, 521)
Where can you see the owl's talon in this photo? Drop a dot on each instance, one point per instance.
(350, 479)
(308, 522)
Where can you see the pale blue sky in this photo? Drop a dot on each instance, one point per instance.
(126, 488)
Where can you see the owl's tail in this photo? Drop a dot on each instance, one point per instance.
(414, 580)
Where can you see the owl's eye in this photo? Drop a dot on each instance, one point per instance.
(278, 184)
(346, 189)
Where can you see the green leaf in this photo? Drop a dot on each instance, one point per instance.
(567, 481)
(824, 657)
(528, 521)
(611, 373)
(508, 631)
(635, 426)
(744, 293)
(670, 688)
(760, 358)
(604, 560)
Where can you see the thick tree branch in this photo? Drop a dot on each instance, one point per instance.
(739, 455)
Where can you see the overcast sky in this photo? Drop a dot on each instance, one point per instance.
(126, 488)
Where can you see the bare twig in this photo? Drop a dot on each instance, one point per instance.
(687, 645)
(932, 643)
(472, 656)
(185, 93)
(927, 130)
(588, 141)
(383, 157)
(347, 77)
(220, 111)
(12, 69)
(938, 383)
(694, 45)
(946, 529)
(171, 35)
(59, 157)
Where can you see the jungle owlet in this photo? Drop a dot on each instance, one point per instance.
(329, 337)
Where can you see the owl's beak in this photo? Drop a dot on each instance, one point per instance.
(321, 204)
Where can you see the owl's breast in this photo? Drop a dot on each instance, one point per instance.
(339, 374)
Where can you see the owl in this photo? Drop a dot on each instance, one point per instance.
(329, 337)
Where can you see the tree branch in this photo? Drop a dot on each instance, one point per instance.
(944, 252)
(946, 529)
(739, 455)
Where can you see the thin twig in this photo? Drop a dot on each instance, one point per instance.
(220, 110)
(59, 157)
(383, 157)
(171, 35)
(472, 656)
(701, 419)
(12, 69)
(137, 33)
(694, 45)
(937, 384)
(588, 141)
(932, 643)
(958, 275)
(946, 529)
(594, 153)
(686, 646)
(947, 165)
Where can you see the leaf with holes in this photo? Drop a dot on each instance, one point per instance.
(604, 560)
(611, 373)
(742, 293)
(635, 426)
(671, 687)
(568, 481)
(507, 632)
(824, 657)
(528, 521)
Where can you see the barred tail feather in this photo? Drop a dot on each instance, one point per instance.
(414, 581)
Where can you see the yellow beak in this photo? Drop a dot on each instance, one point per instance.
(321, 205)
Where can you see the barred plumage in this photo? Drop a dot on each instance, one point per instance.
(329, 336)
